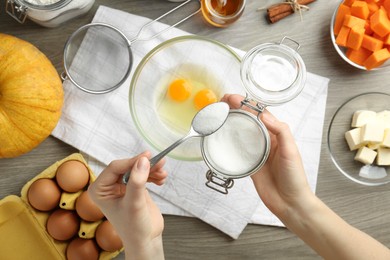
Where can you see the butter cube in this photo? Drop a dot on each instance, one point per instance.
(384, 116)
(365, 155)
(383, 156)
(373, 132)
(362, 117)
(353, 138)
(386, 138)
(373, 146)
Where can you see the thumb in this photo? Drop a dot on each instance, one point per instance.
(138, 178)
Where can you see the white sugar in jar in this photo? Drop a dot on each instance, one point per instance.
(239, 147)
(48, 13)
(272, 74)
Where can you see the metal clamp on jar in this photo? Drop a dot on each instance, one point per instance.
(48, 13)
(272, 74)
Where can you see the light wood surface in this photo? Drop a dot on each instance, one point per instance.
(367, 208)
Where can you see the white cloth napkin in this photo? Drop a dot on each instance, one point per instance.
(101, 127)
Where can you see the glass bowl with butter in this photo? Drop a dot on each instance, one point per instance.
(359, 139)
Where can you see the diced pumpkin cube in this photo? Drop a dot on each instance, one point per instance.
(348, 2)
(386, 40)
(360, 9)
(358, 56)
(380, 23)
(378, 37)
(367, 27)
(372, 6)
(371, 43)
(355, 37)
(342, 37)
(352, 21)
(341, 12)
(386, 5)
(377, 58)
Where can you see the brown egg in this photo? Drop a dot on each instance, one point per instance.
(107, 237)
(63, 224)
(72, 176)
(44, 194)
(87, 209)
(82, 249)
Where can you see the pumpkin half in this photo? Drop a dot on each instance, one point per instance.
(31, 96)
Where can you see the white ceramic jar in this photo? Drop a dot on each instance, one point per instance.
(48, 13)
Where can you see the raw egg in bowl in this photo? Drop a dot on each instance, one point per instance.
(173, 82)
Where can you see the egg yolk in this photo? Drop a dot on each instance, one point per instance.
(179, 90)
(203, 98)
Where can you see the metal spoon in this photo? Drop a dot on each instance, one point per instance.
(206, 121)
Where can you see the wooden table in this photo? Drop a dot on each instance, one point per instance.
(366, 208)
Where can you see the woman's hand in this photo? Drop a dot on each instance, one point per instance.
(282, 186)
(129, 208)
(281, 182)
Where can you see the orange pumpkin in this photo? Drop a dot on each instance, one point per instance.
(31, 96)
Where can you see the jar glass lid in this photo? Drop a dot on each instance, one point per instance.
(273, 73)
(239, 148)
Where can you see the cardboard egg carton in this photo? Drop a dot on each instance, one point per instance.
(23, 232)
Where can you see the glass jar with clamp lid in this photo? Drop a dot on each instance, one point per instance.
(48, 13)
(272, 74)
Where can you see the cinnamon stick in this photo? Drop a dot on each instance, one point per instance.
(279, 16)
(279, 11)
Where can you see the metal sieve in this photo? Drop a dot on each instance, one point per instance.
(98, 56)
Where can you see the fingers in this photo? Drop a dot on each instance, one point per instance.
(158, 166)
(158, 177)
(157, 173)
(272, 123)
(139, 175)
(233, 100)
(114, 171)
(279, 129)
(275, 126)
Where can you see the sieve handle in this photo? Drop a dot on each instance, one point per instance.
(136, 38)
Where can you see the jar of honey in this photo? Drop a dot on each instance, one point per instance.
(222, 13)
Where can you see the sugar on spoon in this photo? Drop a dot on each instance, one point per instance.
(207, 121)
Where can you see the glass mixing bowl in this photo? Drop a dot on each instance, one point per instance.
(342, 157)
(193, 58)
